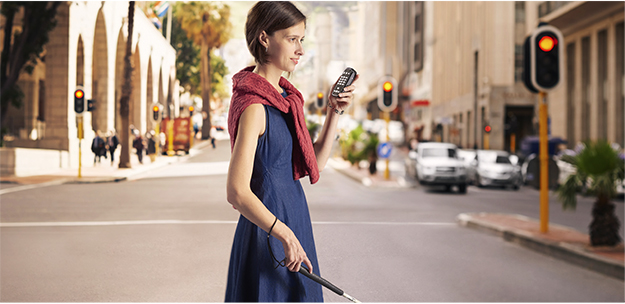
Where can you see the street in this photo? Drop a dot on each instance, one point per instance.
(166, 237)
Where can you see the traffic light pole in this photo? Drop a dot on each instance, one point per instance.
(387, 171)
(80, 137)
(544, 164)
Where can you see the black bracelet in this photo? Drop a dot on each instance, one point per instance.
(270, 229)
(335, 109)
(280, 263)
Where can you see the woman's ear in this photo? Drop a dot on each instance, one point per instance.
(264, 39)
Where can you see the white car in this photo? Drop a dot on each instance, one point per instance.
(468, 156)
(437, 164)
(494, 168)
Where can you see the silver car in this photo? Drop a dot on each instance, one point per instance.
(494, 168)
(437, 164)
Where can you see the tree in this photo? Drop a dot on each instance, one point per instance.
(598, 166)
(39, 18)
(124, 108)
(218, 71)
(208, 25)
(188, 62)
(187, 56)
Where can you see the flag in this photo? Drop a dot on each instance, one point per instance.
(160, 8)
(155, 20)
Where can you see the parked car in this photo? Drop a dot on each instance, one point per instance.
(494, 168)
(437, 164)
(467, 157)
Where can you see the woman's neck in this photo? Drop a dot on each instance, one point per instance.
(270, 73)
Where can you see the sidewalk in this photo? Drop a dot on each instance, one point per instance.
(559, 242)
(99, 173)
(362, 175)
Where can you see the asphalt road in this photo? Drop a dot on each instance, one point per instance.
(166, 237)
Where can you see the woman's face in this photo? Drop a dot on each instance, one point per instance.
(285, 47)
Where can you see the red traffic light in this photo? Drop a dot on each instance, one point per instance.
(547, 43)
(191, 108)
(319, 95)
(487, 129)
(387, 86)
(155, 108)
(79, 94)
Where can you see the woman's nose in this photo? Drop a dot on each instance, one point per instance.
(300, 49)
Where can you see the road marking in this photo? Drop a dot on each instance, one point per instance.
(192, 169)
(193, 222)
(33, 186)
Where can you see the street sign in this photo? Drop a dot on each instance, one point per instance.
(384, 150)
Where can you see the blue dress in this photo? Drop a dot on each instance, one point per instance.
(253, 276)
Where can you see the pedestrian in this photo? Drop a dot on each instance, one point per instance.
(113, 142)
(213, 133)
(98, 147)
(151, 145)
(138, 144)
(271, 151)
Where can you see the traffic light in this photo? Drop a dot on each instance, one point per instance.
(191, 108)
(527, 66)
(90, 105)
(387, 98)
(155, 113)
(79, 101)
(320, 104)
(487, 128)
(546, 57)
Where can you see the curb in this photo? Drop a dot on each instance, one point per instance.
(561, 250)
(141, 170)
(365, 181)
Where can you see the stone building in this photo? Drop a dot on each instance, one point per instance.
(477, 64)
(86, 49)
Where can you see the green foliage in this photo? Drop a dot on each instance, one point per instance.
(598, 167)
(187, 39)
(358, 145)
(313, 128)
(26, 49)
(187, 57)
(218, 71)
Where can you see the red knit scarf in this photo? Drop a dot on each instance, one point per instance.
(250, 88)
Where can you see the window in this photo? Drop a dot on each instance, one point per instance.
(41, 109)
(518, 63)
(438, 152)
(602, 84)
(586, 88)
(570, 97)
(519, 12)
(619, 84)
(417, 36)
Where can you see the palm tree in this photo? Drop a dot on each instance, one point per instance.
(598, 168)
(207, 24)
(124, 109)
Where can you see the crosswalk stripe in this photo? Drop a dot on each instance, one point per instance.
(191, 222)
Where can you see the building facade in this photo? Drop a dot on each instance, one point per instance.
(477, 72)
(87, 49)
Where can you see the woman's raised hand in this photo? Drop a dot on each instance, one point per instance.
(345, 99)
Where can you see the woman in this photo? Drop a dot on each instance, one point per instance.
(271, 151)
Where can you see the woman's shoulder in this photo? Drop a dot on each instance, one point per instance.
(253, 111)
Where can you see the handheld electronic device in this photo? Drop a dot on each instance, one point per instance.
(345, 80)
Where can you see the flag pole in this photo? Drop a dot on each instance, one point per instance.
(169, 16)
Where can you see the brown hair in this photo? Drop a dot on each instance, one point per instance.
(269, 16)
